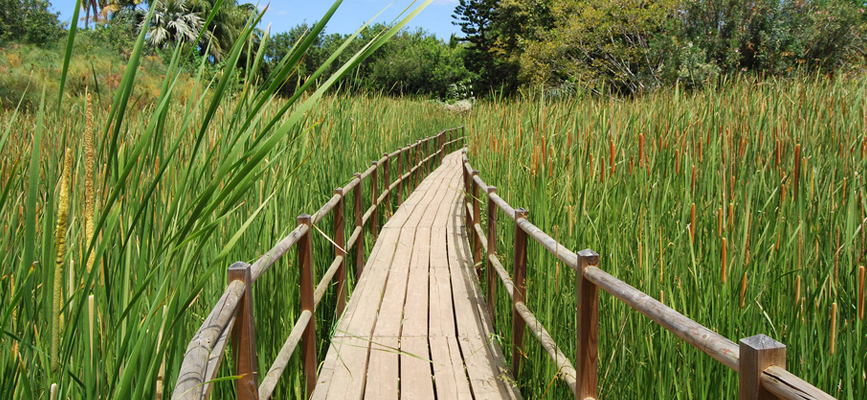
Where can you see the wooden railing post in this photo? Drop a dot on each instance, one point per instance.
(492, 249)
(308, 338)
(477, 241)
(386, 183)
(359, 223)
(520, 282)
(400, 176)
(340, 250)
(467, 192)
(374, 187)
(442, 146)
(586, 361)
(415, 164)
(757, 353)
(244, 336)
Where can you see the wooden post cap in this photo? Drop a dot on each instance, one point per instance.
(521, 213)
(304, 219)
(338, 191)
(239, 266)
(492, 189)
(373, 163)
(591, 256)
(475, 172)
(756, 354)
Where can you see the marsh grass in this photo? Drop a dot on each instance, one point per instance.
(790, 256)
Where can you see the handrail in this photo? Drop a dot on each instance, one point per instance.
(758, 360)
(232, 316)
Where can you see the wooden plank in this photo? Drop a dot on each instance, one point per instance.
(488, 376)
(384, 371)
(415, 364)
(449, 377)
(344, 372)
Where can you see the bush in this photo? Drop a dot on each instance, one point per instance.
(28, 21)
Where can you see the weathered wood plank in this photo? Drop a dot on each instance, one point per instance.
(487, 378)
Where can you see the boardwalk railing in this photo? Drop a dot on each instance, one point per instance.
(759, 360)
(232, 316)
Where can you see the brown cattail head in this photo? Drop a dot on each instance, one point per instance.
(797, 290)
(602, 169)
(641, 150)
(640, 258)
(692, 223)
(719, 220)
(724, 264)
(833, 327)
(611, 159)
(861, 292)
(631, 164)
(743, 289)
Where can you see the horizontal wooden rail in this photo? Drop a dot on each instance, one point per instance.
(761, 369)
(231, 317)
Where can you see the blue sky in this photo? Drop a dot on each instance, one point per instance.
(284, 14)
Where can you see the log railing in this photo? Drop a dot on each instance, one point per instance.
(232, 316)
(759, 360)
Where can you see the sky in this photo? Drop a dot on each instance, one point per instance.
(284, 14)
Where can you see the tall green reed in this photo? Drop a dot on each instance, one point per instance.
(729, 156)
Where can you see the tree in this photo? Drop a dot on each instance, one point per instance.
(618, 44)
(172, 22)
(225, 27)
(28, 21)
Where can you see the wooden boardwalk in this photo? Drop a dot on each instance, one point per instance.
(416, 326)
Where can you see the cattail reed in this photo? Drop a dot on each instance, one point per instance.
(724, 264)
(743, 288)
(89, 156)
(797, 173)
(631, 164)
(833, 327)
(641, 150)
(90, 318)
(677, 162)
(797, 290)
(719, 220)
(60, 251)
(602, 169)
(692, 183)
(661, 259)
(639, 255)
(731, 215)
(692, 223)
(861, 292)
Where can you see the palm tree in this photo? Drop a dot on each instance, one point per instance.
(173, 21)
(225, 27)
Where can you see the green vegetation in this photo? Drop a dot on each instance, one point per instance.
(776, 174)
(629, 47)
(158, 202)
(28, 21)
(412, 63)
